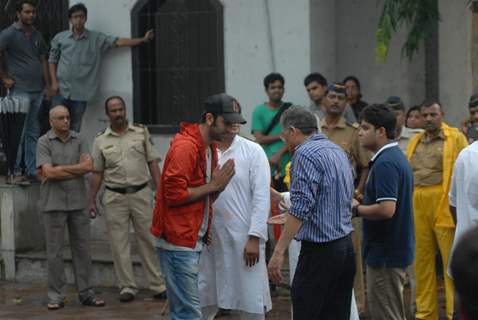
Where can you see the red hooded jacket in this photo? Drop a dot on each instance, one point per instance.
(184, 167)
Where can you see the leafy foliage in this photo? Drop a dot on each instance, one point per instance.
(419, 16)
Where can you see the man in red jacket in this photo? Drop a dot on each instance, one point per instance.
(189, 184)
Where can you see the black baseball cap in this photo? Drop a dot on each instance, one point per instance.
(395, 103)
(226, 106)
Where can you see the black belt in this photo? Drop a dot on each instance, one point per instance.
(130, 189)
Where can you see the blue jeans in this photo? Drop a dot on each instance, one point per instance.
(75, 107)
(31, 132)
(180, 270)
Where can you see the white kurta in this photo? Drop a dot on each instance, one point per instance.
(464, 190)
(241, 210)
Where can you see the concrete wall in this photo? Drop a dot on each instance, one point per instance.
(323, 40)
(248, 54)
(356, 24)
(455, 32)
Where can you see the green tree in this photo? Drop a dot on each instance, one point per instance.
(418, 16)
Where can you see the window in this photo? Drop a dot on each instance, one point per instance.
(175, 73)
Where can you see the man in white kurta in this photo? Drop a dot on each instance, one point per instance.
(463, 196)
(233, 272)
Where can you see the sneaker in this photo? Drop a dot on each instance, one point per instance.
(21, 181)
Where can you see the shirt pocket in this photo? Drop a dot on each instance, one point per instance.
(434, 159)
(112, 155)
(137, 147)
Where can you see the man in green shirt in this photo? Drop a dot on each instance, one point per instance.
(266, 128)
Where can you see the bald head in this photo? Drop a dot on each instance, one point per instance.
(60, 119)
(56, 110)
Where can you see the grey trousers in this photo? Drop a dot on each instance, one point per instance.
(78, 223)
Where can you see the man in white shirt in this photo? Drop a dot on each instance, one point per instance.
(233, 273)
(463, 195)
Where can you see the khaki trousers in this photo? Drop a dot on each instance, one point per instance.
(385, 293)
(359, 281)
(120, 210)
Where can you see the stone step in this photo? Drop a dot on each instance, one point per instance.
(31, 266)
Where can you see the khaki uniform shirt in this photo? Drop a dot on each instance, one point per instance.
(427, 161)
(345, 135)
(62, 195)
(124, 158)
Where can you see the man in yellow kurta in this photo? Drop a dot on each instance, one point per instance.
(432, 155)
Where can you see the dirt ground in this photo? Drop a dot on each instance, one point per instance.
(28, 301)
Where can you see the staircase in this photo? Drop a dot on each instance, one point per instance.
(31, 266)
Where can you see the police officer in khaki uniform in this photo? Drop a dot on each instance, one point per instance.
(432, 156)
(345, 135)
(122, 154)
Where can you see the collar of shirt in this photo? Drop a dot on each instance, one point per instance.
(52, 135)
(85, 34)
(388, 145)
(109, 131)
(314, 137)
(234, 145)
(440, 135)
(17, 27)
(341, 124)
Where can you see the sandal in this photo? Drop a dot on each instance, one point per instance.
(55, 305)
(93, 302)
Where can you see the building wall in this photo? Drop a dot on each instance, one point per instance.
(248, 52)
(455, 32)
(323, 40)
(356, 24)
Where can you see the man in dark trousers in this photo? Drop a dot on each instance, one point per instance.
(320, 217)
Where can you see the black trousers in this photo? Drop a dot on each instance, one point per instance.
(323, 281)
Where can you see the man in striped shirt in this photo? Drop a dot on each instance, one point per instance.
(320, 217)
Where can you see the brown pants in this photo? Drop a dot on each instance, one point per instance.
(385, 293)
(359, 285)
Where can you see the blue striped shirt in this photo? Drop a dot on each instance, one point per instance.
(321, 190)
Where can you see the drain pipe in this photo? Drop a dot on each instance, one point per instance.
(270, 37)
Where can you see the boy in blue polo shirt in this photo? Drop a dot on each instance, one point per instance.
(387, 211)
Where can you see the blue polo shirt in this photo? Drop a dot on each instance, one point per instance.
(389, 243)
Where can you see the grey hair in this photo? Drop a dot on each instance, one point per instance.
(299, 118)
(56, 108)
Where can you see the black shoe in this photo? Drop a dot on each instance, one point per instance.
(161, 295)
(126, 297)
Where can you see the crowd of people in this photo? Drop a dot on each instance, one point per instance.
(366, 194)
